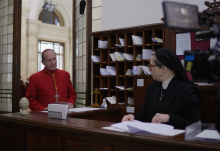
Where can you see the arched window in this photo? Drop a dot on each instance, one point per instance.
(50, 18)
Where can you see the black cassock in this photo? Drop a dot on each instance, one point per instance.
(180, 101)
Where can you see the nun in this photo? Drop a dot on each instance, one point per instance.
(171, 98)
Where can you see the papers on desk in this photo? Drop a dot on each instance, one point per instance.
(111, 70)
(137, 70)
(83, 109)
(102, 44)
(209, 134)
(95, 58)
(128, 56)
(112, 100)
(146, 70)
(137, 40)
(146, 54)
(137, 126)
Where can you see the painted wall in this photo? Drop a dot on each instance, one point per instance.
(126, 13)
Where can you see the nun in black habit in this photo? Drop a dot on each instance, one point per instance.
(171, 98)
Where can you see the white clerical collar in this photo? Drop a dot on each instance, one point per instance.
(165, 83)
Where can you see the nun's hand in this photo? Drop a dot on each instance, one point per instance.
(161, 118)
(128, 117)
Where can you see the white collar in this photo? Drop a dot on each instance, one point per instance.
(165, 83)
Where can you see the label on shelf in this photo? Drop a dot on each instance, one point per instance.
(140, 82)
(130, 109)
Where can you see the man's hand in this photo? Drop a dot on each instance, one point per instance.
(160, 118)
(45, 109)
(70, 105)
(129, 117)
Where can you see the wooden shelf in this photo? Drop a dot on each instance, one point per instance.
(112, 36)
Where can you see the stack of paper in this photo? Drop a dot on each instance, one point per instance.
(103, 71)
(112, 99)
(112, 55)
(83, 109)
(146, 53)
(120, 87)
(137, 70)
(119, 56)
(139, 57)
(111, 70)
(137, 40)
(146, 70)
(129, 72)
(102, 44)
(137, 126)
(130, 101)
(95, 58)
(157, 40)
(128, 56)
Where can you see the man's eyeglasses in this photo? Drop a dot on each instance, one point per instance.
(150, 65)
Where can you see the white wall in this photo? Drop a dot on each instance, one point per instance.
(126, 13)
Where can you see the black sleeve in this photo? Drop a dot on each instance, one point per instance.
(191, 111)
(142, 115)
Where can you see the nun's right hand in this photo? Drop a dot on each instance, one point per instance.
(129, 117)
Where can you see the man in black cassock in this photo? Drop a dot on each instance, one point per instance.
(171, 98)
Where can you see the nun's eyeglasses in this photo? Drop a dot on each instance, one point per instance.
(150, 65)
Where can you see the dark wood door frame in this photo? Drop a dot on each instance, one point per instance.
(16, 55)
(88, 49)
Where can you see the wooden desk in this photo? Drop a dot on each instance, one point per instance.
(37, 132)
(105, 114)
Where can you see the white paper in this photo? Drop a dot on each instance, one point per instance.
(140, 82)
(183, 43)
(114, 129)
(137, 70)
(122, 41)
(103, 71)
(123, 125)
(120, 87)
(146, 54)
(102, 44)
(112, 99)
(103, 88)
(213, 42)
(137, 40)
(128, 56)
(130, 109)
(95, 58)
(209, 134)
(112, 55)
(146, 70)
(162, 129)
(129, 72)
(83, 109)
(139, 57)
(177, 132)
(119, 56)
(63, 109)
(130, 100)
(111, 70)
